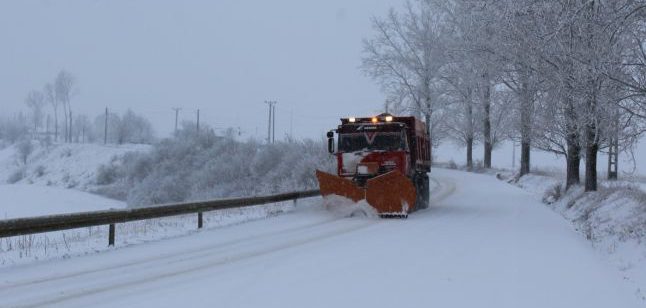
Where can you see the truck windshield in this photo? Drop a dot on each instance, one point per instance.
(363, 141)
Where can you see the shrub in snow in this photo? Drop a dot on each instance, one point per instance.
(25, 148)
(452, 165)
(66, 152)
(478, 166)
(106, 174)
(206, 166)
(71, 184)
(616, 213)
(17, 176)
(552, 194)
(39, 171)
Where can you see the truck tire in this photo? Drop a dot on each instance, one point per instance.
(421, 188)
(427, 193)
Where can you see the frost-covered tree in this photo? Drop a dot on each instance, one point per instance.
(405, 55)
(82, 130)
(461, 124)
(50, 96)
(64, 89)
(566, 77)
(127, 128)
(36, 101)
(134, 128)
(25, 148)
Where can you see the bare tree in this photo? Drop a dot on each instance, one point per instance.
(25, 148)
(65, 88)
(50, 96)
(127, 128)
(82, 131)
(461, 125)
(571, 74)
(36, 101)
(405, 55)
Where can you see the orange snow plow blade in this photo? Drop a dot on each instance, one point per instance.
(391, 194)
(334, 185)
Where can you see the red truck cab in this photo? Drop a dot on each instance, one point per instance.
(373, 146)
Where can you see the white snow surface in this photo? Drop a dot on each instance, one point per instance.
(72, 165)
(22, 200)
(612, 219)
(482, 243)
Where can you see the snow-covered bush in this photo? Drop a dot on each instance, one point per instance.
(25, 148)
(39, 171)
(109, 173)
(615, 212)
(452, 165)
(205, 166)
(553, 193)
(17, 175)
(478, 166)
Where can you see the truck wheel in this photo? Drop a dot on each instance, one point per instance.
(421, 187)
(425, 189)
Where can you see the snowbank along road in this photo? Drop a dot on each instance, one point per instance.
(483, 243)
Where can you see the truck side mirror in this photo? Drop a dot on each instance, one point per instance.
(330, 142)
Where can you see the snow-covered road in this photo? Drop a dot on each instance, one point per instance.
(483, 243)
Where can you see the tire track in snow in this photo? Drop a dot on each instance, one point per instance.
(186, 261)
(5, 286)
(208, 261)
(445, 189)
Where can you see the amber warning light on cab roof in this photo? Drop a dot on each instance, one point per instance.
(375, 119)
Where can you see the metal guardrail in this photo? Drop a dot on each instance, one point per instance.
(31, 225)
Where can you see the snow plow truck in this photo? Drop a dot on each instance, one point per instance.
(384, 160)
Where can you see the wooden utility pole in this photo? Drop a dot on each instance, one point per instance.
(105, 127)
(176, 117)
(198, 120)
(291, 124)
(273, 124)
(271, 127)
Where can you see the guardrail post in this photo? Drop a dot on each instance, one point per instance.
(295, 202)
(111, 235)
(199, 220)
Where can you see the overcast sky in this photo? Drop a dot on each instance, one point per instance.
(224, 57)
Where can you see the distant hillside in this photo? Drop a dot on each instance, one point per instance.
(60, 165)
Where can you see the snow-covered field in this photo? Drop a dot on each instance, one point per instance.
(62, 165)
(483, 243)
(22, 200)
